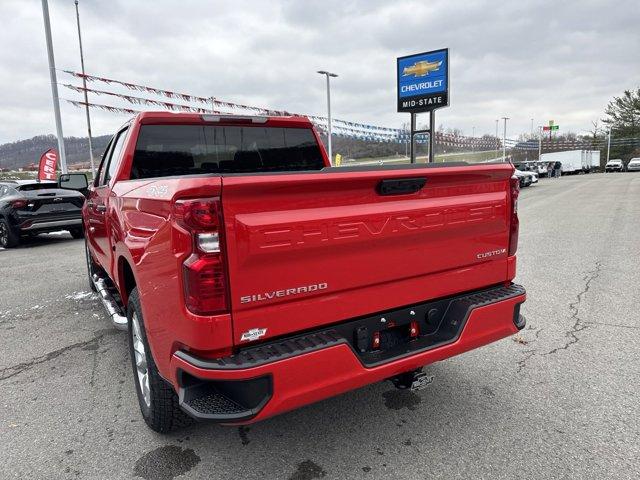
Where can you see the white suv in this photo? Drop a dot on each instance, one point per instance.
(614, 165)
(634, 165)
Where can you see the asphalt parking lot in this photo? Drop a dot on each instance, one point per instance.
(559, 400)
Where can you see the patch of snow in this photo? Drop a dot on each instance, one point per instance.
(79, 295)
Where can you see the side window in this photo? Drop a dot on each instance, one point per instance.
(103, 162)
(3, 190)
(113, 156)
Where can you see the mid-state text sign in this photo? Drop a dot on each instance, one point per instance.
(423, 81)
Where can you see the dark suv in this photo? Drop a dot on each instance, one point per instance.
(29, 207)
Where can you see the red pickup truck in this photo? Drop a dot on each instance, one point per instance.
(254, 278)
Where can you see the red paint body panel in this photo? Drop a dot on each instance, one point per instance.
(284, 231)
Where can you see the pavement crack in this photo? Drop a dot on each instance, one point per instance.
(574, 308)
(92, 344)
(522, 363)
(617, 325)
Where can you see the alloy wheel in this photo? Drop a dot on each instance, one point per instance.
(140, 353)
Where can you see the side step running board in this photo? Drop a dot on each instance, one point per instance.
(118, 320)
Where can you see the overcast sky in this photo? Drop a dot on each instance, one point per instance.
(560, 60)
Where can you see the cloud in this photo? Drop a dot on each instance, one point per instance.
(526, 59)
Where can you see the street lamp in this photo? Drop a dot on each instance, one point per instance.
(54, 86)
(539, 142)
(473, 139)
(531, 128)
(86, 99)
(504, 139)
(328, 74)
(497, 141)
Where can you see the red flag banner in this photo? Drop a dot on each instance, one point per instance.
(48, 164)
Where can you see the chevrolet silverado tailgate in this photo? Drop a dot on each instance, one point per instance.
(305, 250)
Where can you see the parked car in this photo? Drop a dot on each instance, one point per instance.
(633, 165)
(254, 278)
(541, 168)
(524, 178)
(30, 207)
(614, 165)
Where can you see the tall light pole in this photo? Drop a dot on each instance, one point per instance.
(504, 139)
(328, 74)
(473, 139)
(86, 99)
(497, 141)
(539, 142)
(54, 86)
(532, 128)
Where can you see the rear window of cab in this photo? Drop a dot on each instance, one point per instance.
(170, 150)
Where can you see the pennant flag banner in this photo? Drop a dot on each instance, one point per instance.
(342, 128)
(107, 108)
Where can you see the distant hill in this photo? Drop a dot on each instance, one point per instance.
(19, 154)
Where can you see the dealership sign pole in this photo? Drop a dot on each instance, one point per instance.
(550, 128)
(423, 86)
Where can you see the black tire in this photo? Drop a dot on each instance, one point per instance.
(163, 414)
(8, 238)
(91, 267)
(77, 233)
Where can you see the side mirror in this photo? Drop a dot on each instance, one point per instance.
(73, 181)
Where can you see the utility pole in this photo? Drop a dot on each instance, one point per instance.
(328, 75)
(54, 86)
(86, 98)
(504, 139)
(608, 146)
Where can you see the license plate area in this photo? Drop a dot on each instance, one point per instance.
(379, 338)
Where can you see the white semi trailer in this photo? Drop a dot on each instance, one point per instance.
(574, 161)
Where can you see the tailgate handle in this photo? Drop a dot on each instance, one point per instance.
(400, 186)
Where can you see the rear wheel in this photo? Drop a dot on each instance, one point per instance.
(157, 399)
(8, 238)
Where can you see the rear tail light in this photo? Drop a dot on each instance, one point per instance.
(18, 203)
(203, 273)
(205, 284)
(201, 213)
(514, 224)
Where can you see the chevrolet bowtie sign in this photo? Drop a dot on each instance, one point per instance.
(423, 81)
